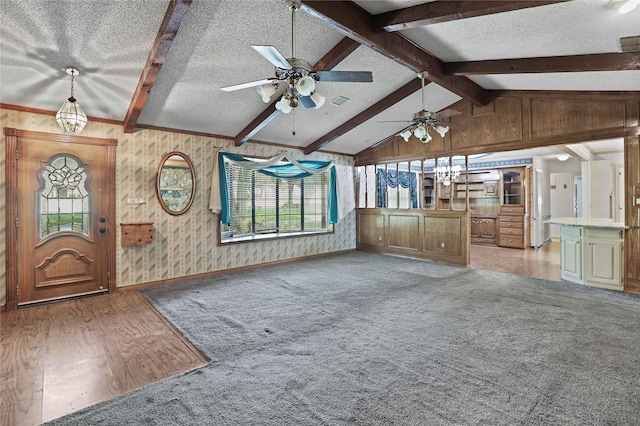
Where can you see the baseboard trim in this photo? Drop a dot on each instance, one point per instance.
(224, 271)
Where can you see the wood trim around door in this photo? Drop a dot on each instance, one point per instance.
(11, 202)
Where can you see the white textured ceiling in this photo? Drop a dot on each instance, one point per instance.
(110, 40)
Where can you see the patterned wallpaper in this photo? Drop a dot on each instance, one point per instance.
(187, 244)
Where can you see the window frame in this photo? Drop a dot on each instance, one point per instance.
(278, 234)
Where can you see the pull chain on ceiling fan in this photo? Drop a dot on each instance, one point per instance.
(298, 75)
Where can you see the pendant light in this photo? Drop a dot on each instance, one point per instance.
(70, 117)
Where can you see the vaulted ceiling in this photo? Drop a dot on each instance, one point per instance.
(161, 64)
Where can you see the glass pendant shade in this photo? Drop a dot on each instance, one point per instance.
(266, 92)
(70, 117)
(318, 99)
(306, 85)
(426, 138)
(406, 135)
(283, 105)
(420, 132)
(442, 130)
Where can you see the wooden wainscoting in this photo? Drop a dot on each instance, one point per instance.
(440, 235)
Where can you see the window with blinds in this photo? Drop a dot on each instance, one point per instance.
(262, 205)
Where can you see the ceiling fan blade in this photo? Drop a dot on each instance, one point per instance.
(272, 55)
(306, 101)
(395, 121)
(250, 84)
(345, 76)
(445, 113)
(454, 126)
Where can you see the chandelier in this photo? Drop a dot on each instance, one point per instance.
(70, 117)
(447, 174)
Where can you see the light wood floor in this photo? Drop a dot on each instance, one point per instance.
(61, 357)
(543, 262)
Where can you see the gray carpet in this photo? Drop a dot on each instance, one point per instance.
(367, 339)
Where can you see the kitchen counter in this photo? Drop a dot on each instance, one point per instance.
(591, 251)
(587, 222)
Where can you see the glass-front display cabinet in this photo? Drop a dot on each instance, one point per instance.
(512, 187)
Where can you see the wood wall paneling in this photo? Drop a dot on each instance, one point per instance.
(444, 235)
(500, 122)
(416, 233)
(371, 227)
(404, 231)
(555, 117)
(632, 193)
(519, 120)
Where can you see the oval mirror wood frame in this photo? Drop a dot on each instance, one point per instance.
(172, 178)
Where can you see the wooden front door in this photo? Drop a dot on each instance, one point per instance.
(65, 213)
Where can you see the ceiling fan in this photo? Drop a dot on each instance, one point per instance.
(297, 74)
(423, 120)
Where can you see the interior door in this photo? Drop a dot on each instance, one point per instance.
(64, 208)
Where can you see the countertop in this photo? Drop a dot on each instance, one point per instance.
(586, 222)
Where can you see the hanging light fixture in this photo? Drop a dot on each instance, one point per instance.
(70, 117)
(424, 120)
(447, 174)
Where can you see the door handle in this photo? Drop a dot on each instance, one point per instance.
(103, 230)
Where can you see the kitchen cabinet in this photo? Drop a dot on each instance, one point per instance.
(591, 251)
(483, 230)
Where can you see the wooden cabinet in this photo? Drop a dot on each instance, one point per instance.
(513, 222)
(136, 234)
(483, 230)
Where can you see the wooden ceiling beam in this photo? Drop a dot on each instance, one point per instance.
(337, 54)
(573, 63)
(386, 102)
(355, 22)
(444, 11)
(173, 18)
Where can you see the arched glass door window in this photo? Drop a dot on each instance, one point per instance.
(63, 199)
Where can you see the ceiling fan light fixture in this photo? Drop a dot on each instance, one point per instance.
(318, 99)
(306, 85)
(426, 138)
(406, 135)
(441, 130)
(283, 105)
(70, 117)
(420, 132)
(267, 91)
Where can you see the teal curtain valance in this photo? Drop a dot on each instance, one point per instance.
(293, 170)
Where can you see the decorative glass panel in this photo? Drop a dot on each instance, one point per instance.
(64, 200)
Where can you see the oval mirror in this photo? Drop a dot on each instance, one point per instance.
(175, 183)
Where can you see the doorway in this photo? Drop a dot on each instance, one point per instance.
(61, 202)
